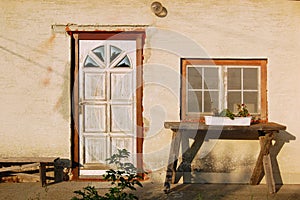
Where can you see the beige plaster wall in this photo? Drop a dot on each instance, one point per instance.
(35, 71)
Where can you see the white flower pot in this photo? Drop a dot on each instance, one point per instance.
(226, 121)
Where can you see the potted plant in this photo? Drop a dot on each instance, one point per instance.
(226, 117)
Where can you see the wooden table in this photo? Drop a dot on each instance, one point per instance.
(264, 132)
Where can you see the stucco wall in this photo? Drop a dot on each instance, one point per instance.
(35, 70)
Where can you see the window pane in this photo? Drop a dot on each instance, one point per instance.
(89, 62)
(194, 101)
(211, 101)
(99, 51)
(124, 62)
(250, 78)
(234, 78)
(251, 100)
(233, 99)
(211, 77)
(194, 78)
(114, 52)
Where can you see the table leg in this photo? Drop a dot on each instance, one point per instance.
(43, 174)
(173, 159)
(269, 174)
(258, 172)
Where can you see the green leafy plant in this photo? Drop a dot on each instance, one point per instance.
(227, 113)
(89, 192)
(242, 112)
(123, 177)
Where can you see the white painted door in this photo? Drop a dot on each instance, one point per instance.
(107, 102)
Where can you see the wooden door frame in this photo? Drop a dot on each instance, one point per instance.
(139, 37)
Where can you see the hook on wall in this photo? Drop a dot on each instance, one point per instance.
(158, 9)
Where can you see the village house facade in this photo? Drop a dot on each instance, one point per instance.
(80, 79)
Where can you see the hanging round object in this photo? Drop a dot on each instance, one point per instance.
(156, 7)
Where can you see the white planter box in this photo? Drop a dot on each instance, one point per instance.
(226, 121)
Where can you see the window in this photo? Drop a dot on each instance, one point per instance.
(216, 84)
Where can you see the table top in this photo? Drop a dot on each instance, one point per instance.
(268, 126)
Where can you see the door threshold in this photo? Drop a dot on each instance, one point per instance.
(95, 172)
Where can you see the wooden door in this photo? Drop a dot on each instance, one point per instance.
(107, 102)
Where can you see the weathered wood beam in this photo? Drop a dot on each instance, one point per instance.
(27, 159)
(258, 172)
(269, 173)
(19, 168)
(27, 177)
(173, 159)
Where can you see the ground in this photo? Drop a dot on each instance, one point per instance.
(151, 190)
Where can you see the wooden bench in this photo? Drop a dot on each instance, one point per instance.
(22, 163)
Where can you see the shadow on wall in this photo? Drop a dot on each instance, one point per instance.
(185, 169)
